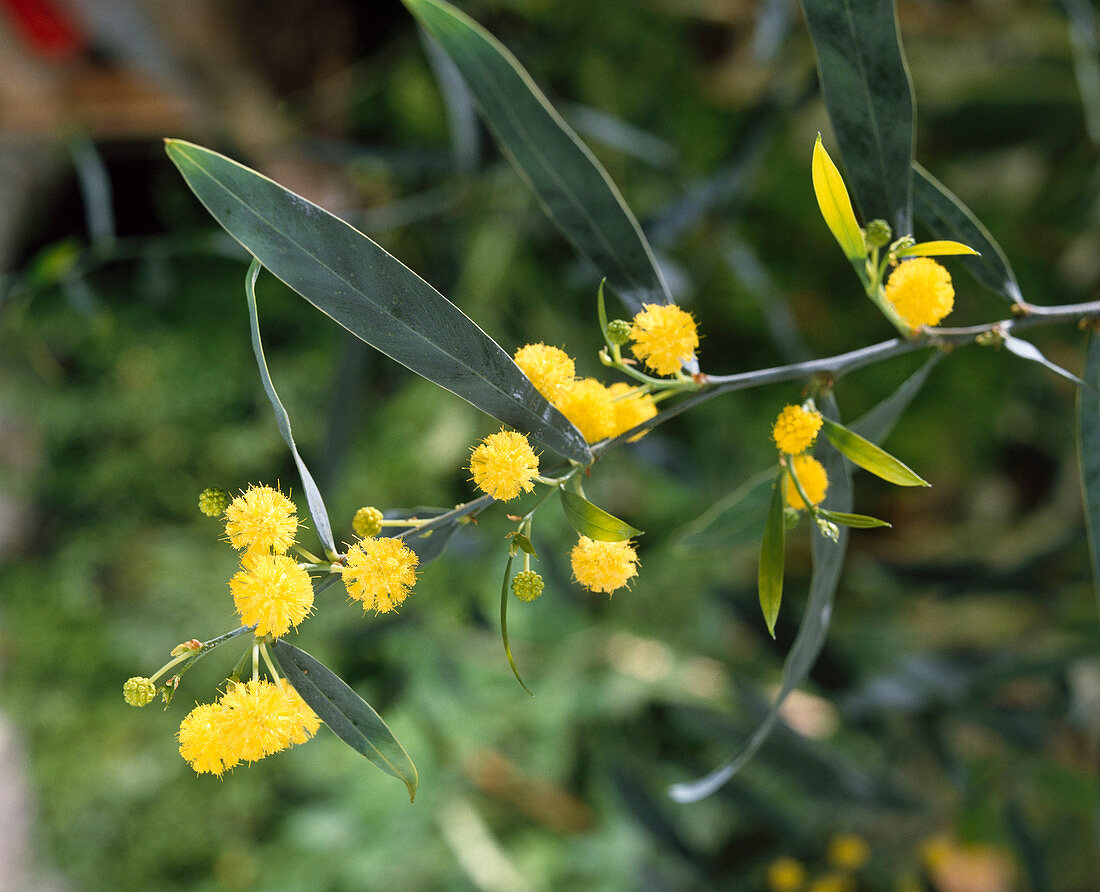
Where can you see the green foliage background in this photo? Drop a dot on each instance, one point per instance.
(961, 662)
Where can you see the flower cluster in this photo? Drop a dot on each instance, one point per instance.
(271, 591)
(847, 855)
(249, 721)
(597, 411)
(794, 432)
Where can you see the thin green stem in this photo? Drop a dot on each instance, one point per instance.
(267, 661)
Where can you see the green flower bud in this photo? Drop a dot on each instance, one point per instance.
(618, 332)
(367, 522)
(139, 691)
(527, 585)
(878, 234)
(213, 502)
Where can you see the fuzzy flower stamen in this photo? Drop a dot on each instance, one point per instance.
(921, 292)
(603, 566)
(811, 474)
(273, 592)
(380, 572)
(504, 465)
(665, 337)
(796, 429)
(261, 519)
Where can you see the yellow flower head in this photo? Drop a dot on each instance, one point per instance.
(786, 875)
(631, 408)
(380, 572)
(796, 429)
(664, 337)
(262, 718)
(307, 722)
(920, 290)
(504, 465)
(588, 405)
(551, 370)
(273, 592)
(848, 851)
(833, 882)
(814, 480)
(202, 741)
(261, 519)
(603, 566)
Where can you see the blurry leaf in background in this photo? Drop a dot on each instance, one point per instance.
(1088, 422)
(866, 86)
(571, 184)
(947, 217)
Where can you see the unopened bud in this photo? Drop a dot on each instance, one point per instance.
(367, 522)
(878, 234)
(139, 691)
(213, 502)
(193, 646)
(618, 332)
(527, 585)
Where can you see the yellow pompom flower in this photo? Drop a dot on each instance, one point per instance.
(504, 465)
(833, 882)
(848, 851)
(262, 718)
(273, 592)
(202, 740)
(261, 519)
(664, 337)
(380, 572)
(631, 408)
(796, 429)
(603, 566)
(550, 369)
(785, 874)
(814, 480)
(920, 291)
(588, 405)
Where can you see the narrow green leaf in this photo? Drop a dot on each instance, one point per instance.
(574, 189)
(865, 82)
(592, 521)
(1027, 350)
(770, 574)
(316, 504)
(347, 714)
(828, 558)
(940, 248)
(504, 622)
(735, 519)
(946, 217)
(870, 457)
(855, 521)
(1088, 444)
(835, 205)
(372, 294)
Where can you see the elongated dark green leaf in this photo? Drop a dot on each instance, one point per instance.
(592, 521)
(316, 504)
(855, 521)
(878, 423)
(575, 190)
(945, 216)
(733, 520)
(372, 294)
(1088, 442)
(504, 623)
(1027, 350)
(828, 560)
(769, 577)
(870, 457)
(347, 714)
(867, 90)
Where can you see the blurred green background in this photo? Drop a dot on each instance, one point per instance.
(953, 719)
